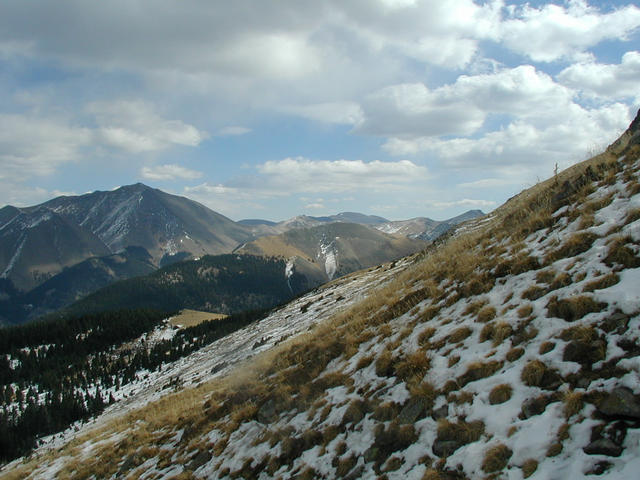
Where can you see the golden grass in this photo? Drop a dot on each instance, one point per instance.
(189, 318)
(496, 458)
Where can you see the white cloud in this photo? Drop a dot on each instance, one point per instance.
(465, 202)
(232, 131)
(606, 81)
(305, 175)
(532, 149)
(552, 31)
(133, 126)
(30, 145)
(314, 206)
(410, 110)
(169, 172)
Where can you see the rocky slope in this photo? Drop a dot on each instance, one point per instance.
(510, 350)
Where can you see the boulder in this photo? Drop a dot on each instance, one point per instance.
(620, 402)
(603, 446)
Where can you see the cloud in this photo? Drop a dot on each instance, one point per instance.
(31, 145)
(606, 81)
(465, 202)
(304, 175)
(232, 131)
(553, 32)
(461, 108)
(169, 172)
(133, 126)
(410, 110)
(532, 149)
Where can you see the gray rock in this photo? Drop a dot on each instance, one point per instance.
(412, 411)
(534, 406)
(442, 412)
(620, 402)
(444, 448)
(603, 446)
(200, 459)
(267, 412)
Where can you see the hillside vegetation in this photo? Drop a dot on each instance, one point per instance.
(220, 284)
(510, 350)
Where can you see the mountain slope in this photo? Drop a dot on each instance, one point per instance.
(73, 283)
(327, 251)
(509, 350)
(221, 284)
(37, 243)
(161, 223)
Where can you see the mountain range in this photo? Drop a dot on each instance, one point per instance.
(55, 253)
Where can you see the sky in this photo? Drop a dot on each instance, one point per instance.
(276, 108)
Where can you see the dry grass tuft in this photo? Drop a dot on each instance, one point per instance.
(500, 394)
(621, 255)
(496, 458)
(458, 335)
(573, 403)
(534, 292)
(573, 308)
(600, 283)
(575, 245)
(514, 354)
(474, 307)
(524, 311)
(529, 467)
(497, 332)
(546, 347)
(533, 372)
(478, 370)
(486, 314)
(413, 367)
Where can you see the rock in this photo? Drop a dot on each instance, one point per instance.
(551, 380)
(585, 353)
(617, 321)
(534, 406)
(200, 459)
(620, 402)
(412, 411)
(599, 468)
(442, 412)
(444, 448)
(603, 446)
(267, 412)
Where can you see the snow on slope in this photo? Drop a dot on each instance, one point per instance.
(222, 356)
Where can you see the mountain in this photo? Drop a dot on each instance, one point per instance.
(425, 228)
(38, 242)
(229, 283)
(73, 283)
(161, 223)
(331, 250)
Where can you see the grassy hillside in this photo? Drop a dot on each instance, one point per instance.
(508, 351)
